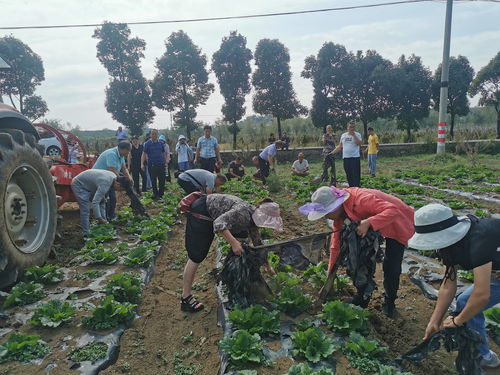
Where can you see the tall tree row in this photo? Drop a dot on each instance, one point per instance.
(20, 81)
(128, 97)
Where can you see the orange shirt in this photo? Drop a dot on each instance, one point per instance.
(387, 215)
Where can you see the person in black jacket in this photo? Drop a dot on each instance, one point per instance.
(469, 243)
(134, 165)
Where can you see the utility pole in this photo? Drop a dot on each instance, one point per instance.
(443, 95)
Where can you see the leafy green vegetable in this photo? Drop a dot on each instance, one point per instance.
(256, 319)
(141, 255)
(102, 233)
(23, 348)
(93, 351)
(304, 369)
(389, 370)
(340, 282)
(247, 372)
(109, 314)
(293, 301)
(124, 287)
(89, 275)
(48, 274)
(313, 344)
(243, 348)
(466, 275)
(274, 261)
(304, 324)
(283, 280)
(316, 274)
(493, 319)
(23, 294)
(104, 257)
(361, 347)
(53, 313)
(344, 318)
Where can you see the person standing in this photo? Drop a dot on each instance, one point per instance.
(121, 135)
(156, 158)
(350, 144)
(285, 139)
(372, 151)
(185, 155)
(271, 138)
(113, 160)
(200, 180)
(134, 165)
(328, 142)
(468, 243)
(267, 158)
(236, 169)
(207, 150)
(300, 167)
(163, 140)
(372, 209)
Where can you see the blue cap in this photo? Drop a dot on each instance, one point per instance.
(162, 138)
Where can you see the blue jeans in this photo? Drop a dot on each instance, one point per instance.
(184, 166)
(372, 163)
(84, 198)
(477, 323)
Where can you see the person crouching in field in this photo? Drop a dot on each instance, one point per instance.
(300, 167)
(469, 243)
(372, 209)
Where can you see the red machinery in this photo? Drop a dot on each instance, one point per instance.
(62, 170)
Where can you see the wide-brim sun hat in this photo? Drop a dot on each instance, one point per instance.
(436, 227)
(267, 215)
(181, 137)
(323, 201)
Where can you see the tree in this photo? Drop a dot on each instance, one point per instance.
(231, 64)
(461, 74)
(181, 82)
(128, 97)
(487, 84)
(411, 93)
(25, 74)
(274, 94)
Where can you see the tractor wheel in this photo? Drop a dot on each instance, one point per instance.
(28, 213)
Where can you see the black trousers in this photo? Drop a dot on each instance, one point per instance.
(352, 168)
(111, 204)
(187, 186)
(208, 164)
(157, 174)
(394, 252)
(264, 169)
(136, 171)
(329, 163)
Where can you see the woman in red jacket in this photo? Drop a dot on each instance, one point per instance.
(373, 209)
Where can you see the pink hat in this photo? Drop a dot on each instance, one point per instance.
(267, 215)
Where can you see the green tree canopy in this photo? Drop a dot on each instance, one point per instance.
(461, 74)
(25, 74)
(231, 64)
(181, 82)
(128, 97)
(274, 93)
(487, 85)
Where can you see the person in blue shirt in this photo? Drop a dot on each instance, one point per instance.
(266, 159)
(113, 160)
(154, 153)
(121, 135)
(207, 150)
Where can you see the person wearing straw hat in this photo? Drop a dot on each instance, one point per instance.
(469, 243)
(232, 218)
(372, 209)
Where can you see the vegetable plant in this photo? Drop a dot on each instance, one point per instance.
(292, 301)
(93, 351)
(313, 344)
(124, 287)
(102, 257)
(316, 274)
(389, 370)
(304, 369)
(466, 275)
(343, 317)
(304, 324)
(364, 354)
(48, 274)
(109, 314)
(256, 319)
(283, 280)
(89, 275)
(243, 348)
(53, 314)
(23, 294)
(23, 348)
(141, 255)
(493, 319)
(102, 233)
(274, 261)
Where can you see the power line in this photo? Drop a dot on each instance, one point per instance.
(190, 20)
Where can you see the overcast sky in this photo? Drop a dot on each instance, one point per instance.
(75, 80)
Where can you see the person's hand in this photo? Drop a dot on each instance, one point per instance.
(365, 152)
(220, 162)
(237, 248)
(195, 161)
(363, 227)
(431, 329)
(449, 323)
(102, 221)
(143, 167)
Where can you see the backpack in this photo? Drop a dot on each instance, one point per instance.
(186, 202)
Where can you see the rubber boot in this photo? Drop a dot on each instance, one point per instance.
(358, 300)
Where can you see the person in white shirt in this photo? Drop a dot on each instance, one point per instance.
(300, 167)
(350, 144)
(185, 155)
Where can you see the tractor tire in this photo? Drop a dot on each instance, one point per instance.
(28, 210)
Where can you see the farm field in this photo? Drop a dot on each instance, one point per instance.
(137, 254)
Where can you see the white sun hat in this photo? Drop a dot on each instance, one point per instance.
(436, 228)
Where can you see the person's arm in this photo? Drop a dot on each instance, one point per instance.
(235, 244)
(129, 160)
(124, 170)
(335, 243)
(445, 297)
(337, 149)
(323, 140)
(382, 213)
(99, 195)
(217, 153)
(197, 155)
(166, 153)
(209, 190)
(356, 139)
(113, 169)
(232, 173)
(271, 160)
(143, 160)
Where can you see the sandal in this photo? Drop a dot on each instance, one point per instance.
(190, 304)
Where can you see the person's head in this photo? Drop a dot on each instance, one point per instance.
(189, 142)
(154, 135)
(124, 148)
(238, 160)
(122, 183)
(135, 141)
(120, 128)
(329, 129)
(271, 135)
(300, 156)
(162, 139)
(220, 180)
(371, 131)
(182, 139)
(327, 202)
(351, 126)
(255, 160)
(267, 215)
(207, 131)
